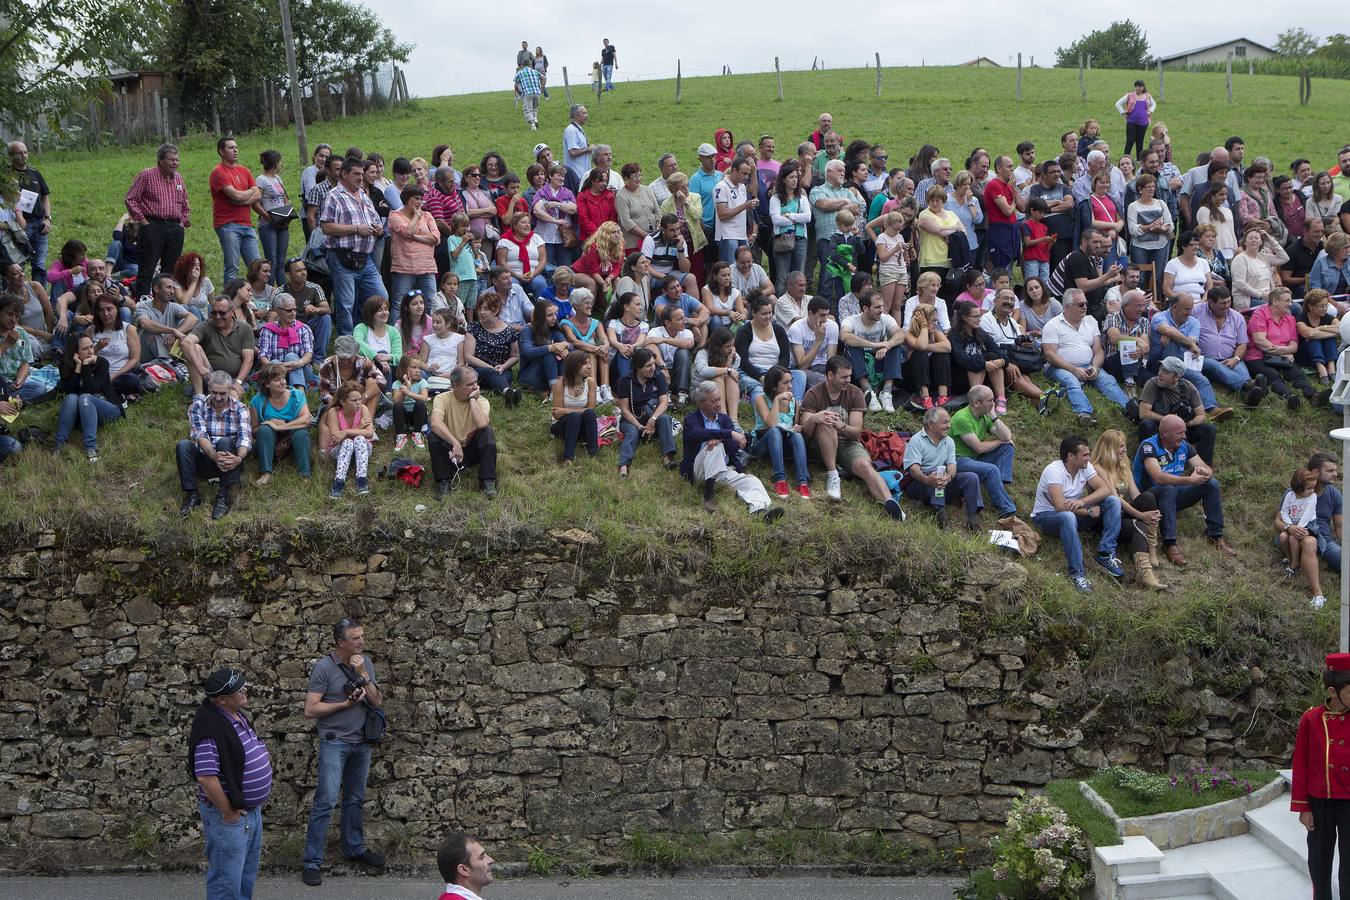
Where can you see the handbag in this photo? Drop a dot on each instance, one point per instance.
(785, 242)
(281, 217)
(376, 722)
(1025, 353)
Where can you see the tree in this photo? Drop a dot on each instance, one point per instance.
(1296, 43)
(1121, 46)
(1337, 47)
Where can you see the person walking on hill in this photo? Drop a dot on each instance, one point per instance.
(529, 86)
(609, 61)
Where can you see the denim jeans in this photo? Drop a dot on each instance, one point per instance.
(322, 326)
(1036, 268)
(33, 391)
(1105, 384)
(1174, 497)
(792, 261)
(237, 241)
(91, 410)
(679, 369)
(492, 380)
(541, 372)
(994, 469)
(39, 258)
(401, 283)
(1066, 525)
(232, 852)
(609, 77)
(194, 464)
(275, 242)
(577, 425)
(665, 436)
(891, 365)
(296, 377)
(266, 441)
(1233, 378)
(342, 766)
(1327, 547)
(348, 285)
(770, 445)
(727, 247)
(965, 485)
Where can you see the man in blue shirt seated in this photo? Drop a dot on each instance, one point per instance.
(1328, 521)
(1175, 332)
(930, 469)
(1168, 466)
(711, 454)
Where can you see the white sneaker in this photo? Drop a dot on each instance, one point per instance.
(1318, 602)
(873, 404)
(832, 485)
(887, 403)
(603, 395)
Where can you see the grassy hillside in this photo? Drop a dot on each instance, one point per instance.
(956, 109)
(1228, 616)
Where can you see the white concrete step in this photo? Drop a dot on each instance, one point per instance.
(1245, 868)
(1176, 877)
(1279, 829)
(1264, 884)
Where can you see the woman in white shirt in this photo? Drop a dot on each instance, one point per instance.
(442, 350)
(1255, 269)
(274, 238)
(1187, 273)
(1214, 211)
(118, 343)
(790, 212)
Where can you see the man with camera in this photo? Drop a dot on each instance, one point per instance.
(342, 694)
(1169, 393)
(461, 434)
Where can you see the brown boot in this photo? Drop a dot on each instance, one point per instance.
(1151, 536)
(1173, 554)
(1143, 568)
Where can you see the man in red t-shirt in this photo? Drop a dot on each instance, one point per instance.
(465, 866)
(1001, 203)
(233, 195)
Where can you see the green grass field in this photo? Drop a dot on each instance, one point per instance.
(1227, 615)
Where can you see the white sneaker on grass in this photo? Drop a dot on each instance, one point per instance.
(887, 402)
(873, 404)
(833, 485)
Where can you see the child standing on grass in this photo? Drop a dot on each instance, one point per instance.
(1321, 788)
(1297, 541)
(841, 261)
(1036, 241)
(462, 249)
(410, 398)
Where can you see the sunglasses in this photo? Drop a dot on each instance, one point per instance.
(221, 313)
(293, 260)
(416, 292)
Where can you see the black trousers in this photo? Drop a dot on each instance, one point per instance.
(480, 450)
(401, 416)
(161, 245)
(1131, 539)
(1331, 831)
(1201, 437)
(193, 463)
(930, 370)
(1278, 378)
(577, 425)
(1136, 135)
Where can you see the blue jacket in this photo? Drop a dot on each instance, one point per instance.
(696, 433)
(530, 351)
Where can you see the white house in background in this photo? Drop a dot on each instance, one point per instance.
(1243, 49)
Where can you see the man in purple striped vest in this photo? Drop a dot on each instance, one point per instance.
(233, 771)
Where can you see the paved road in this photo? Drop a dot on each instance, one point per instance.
(184, 887)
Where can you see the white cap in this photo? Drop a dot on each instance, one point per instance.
(539, 148)
(707, 150)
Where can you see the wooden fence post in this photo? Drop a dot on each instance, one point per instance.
(96, 136)
(1019, 77)
(1082, 85)
(813, 63)
(878, 73)
(779, 73)
(1228, 75)
(678, 80)
(567, 87)
(1162, 89)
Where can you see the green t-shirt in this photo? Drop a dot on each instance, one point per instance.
(964, 422)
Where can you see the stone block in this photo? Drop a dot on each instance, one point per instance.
(537, 678)
(743, 739)
(632, 626)
(807, 736)
(67, 823)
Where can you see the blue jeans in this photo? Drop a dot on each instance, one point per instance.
(769, 445)
(608, 72)
(120, 263)
(322, 326)
(1036, 268)
(1158, 258)
(8, 446)
(342, 765)
(266, 440)
(237, 241)
(1327, 546)
(92, 411)
(1105, 384)
(232, 852)
(346, 285)
(39, 258)
(785, 263)
(994, 469)
(401, 283)
(727, 247)
(891, 364)
(665, 436)
(492, 380)
(540, 373)
(679, 369)
(296, 377)
(33, 391)
(1233, 378)
(964, 484)
(274, 242)
(1174, 497)
(1066, 525)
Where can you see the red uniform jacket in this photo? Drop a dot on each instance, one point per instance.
(1321, 757)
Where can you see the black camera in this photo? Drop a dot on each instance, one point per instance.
(352, 685)
(1185, 411)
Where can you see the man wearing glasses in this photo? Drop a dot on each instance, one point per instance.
(341, 689)
(311, 305)
(219, 441)
(222, 343)
(288, 343)
(1072, 344)
(233, 771)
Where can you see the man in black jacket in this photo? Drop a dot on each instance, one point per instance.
(233, 771)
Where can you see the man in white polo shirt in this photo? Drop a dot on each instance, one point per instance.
(732, 228)
(1072, 344)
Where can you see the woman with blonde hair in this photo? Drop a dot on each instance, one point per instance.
(1139, 509)
(601, 261)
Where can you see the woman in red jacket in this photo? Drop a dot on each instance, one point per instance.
(1321, 789)
(595, 204)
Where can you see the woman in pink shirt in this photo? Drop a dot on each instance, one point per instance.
(412, 248)
(1273, 334)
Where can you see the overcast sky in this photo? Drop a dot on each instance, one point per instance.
(445, 61)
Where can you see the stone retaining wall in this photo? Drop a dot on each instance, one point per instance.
(538, 699)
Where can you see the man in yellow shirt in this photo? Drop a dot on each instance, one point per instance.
(460, 434)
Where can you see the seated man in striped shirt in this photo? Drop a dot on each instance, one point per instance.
(233, 771)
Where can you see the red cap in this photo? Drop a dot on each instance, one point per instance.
(1338, 662)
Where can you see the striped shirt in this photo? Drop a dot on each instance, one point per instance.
(257, 779)
(343, 207)
(440, 204)
(270, 348)
(527, 80)
(153, 196)
(213, 424)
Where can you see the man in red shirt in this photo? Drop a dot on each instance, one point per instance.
(1001, 203)
(158, 200)
(233, 194)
